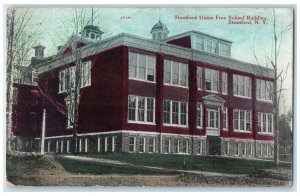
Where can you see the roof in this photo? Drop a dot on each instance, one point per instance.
(194, 32)
(92, 28)
(159, 27)
(129, 40)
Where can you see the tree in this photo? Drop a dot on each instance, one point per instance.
(285, 133)
(21, 37)
(279, 75)
(75, 77)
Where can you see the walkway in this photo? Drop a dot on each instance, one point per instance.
(121, 164)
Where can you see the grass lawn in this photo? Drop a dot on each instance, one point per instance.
(183, 162)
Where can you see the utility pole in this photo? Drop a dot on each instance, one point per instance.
(9, 80)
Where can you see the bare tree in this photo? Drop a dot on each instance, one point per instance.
(279, 74)
(76, 76)
(21, 37)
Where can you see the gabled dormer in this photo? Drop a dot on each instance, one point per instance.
(203, 42)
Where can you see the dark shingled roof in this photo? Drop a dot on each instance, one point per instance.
(159, 26)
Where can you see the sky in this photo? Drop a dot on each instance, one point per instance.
(140, 21)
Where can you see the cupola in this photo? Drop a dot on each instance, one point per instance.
(159, 31)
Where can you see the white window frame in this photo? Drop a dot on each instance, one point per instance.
(200, 147)
(199, 78)
(99, 144)
(199, 109)
(62, 146)
(113, 143)
(136, 77)
(266, 86)
(260, 123)
(56, 149)
(105, 144)
(70, 112)
(134, 144)
(224, 83)
(85, 74)
(143, 143)
(225, 115)
(136, 121)
(153, 144)
(68, 146)
(225, 52)
(168, 149)
(237, 85)
(199, 41)
(85, 68)
(237, 149)
(85, 144)
(80, 145)
(209, 75)
(216, 125)
(179, 113)
(179, 74)
(239, 120)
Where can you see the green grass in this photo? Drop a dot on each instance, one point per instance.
(182, 162)
(80, 167)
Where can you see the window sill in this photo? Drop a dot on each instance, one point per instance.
(199, 127)
(265, 133)
(175, 125)
(239, 131)
(174, 85)
(213, 128)
(244, 97)
(139, 122)
(141, 80)
(216, 92)
(265, 101)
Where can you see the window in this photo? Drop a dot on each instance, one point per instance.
(141, 144)
(200, 147)
(211, 80)
(265, 122)
(213, 118)
(114, 143)
(131, 144)
(176, 144)
(225, 50)
(264, 90)
(70, 112)
(175, 112)
(99, 144)
(199, 43)
(241, 86)
(244, 150)
(224, 83)
(151, 144)
(225, 118)
(15, 96)
(34, 77)
(67, 77)
(215, 49)
(185, 144)
(140, 109)
(175, 73)
(167, 145)
(199, 77)
(199, 115)
(142, 67)
(34, 95)
(237, 149)
(242, 120)
(209, 46)
(85, 74)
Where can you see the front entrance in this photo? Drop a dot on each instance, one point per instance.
(214, 145)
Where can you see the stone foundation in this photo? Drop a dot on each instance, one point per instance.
(144, 142)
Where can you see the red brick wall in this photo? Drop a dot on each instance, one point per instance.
(183, 41)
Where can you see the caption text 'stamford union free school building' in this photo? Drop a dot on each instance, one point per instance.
(172, 95)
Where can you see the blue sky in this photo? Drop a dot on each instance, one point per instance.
(142, 19)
